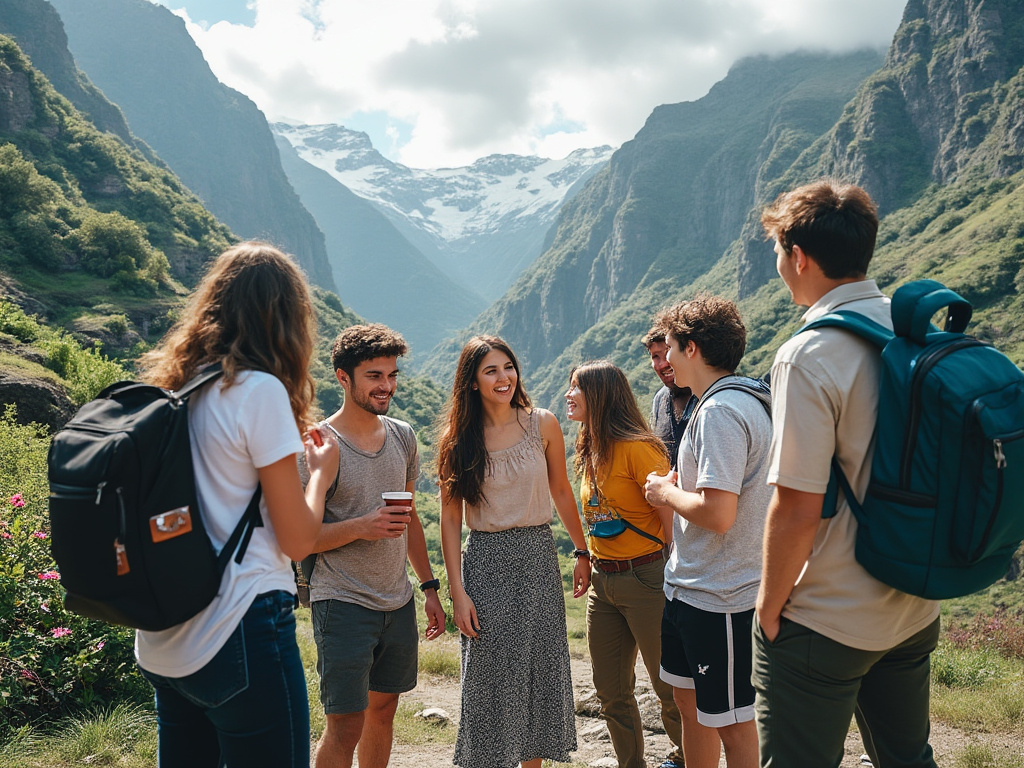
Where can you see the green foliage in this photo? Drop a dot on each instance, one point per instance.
(74, 200)
(51, 662)
(956, 667)
(123, 735)
(14, 321)
(86, 371)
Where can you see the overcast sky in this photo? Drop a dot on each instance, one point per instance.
(443, 82)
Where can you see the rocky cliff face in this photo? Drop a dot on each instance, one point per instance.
(214, 138)
(946, 105)
(36, 27)
(946, 102)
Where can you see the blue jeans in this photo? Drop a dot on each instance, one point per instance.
(247, 707)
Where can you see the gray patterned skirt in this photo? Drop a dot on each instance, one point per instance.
(516, 686)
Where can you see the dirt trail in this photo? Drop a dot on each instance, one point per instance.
(444, 693)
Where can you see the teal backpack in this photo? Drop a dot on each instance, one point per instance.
(944, 511)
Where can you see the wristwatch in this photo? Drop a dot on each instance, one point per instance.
(581, 553)
(434, 584)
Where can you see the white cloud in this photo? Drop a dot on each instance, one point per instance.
(473, 77)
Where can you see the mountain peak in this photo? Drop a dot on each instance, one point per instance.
(454, 214)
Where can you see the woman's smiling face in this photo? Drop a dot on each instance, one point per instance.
(575, 403)
(496, 377)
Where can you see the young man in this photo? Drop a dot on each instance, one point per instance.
(720, 501)
(672, 404)
(364, 616)
(870, 644)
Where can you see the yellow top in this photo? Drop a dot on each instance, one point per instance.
(621, 494)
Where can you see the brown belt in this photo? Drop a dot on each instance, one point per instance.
(619, 566)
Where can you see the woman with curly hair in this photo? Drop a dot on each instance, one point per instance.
(230, 686)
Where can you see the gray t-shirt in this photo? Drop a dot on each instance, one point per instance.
(368, 573)
(725, 447)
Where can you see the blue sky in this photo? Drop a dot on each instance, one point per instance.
(209, 12)
(444, 82)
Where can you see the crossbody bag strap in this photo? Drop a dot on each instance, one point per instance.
(625, 522)
(239, 538)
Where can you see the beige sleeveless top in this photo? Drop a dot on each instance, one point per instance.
(515, 486)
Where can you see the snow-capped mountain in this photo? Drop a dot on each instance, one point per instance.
(481, 224)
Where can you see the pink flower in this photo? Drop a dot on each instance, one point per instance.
(38, 535)
(17, 500)
(44, 606)
(100, 644)
(5, 534)
(60, 632)
(46, 575)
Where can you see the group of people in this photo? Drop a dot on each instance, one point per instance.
(702, 545)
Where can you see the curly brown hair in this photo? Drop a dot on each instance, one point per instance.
(713, 324)
(251, 311)
(359, 343)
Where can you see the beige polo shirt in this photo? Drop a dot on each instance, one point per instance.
(824, 402)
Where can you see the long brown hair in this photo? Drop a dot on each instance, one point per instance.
(251, 311)
(611, 416)
(461, 451)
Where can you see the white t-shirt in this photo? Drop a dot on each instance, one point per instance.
(234, 432)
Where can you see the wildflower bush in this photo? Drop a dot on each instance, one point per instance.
(52, 663)
(1001, 630)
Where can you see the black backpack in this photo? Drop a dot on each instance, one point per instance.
(126, 529)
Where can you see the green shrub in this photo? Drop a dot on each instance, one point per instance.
(14, 321)
(86, 371)
(51, 662)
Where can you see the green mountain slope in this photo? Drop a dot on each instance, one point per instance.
(936, 135)
(36, 27)
(82, 205)
(670, 201)
(214, 137)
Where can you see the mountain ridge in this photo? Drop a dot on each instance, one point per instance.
(481, 224)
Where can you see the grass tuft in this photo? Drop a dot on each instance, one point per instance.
(441, 658)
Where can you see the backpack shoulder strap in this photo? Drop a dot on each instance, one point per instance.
(854, 322)
(239, 538)
(879, 335)
(756, 388)
(208, 374)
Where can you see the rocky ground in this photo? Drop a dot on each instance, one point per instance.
(595, 749)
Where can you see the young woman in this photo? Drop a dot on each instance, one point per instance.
(230, 687)
(615, 451)
(501, 462)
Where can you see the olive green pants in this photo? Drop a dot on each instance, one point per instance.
(624, 613)
(809, 688)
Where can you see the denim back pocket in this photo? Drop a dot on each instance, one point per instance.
(225, 676)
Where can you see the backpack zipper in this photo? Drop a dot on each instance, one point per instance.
(921, 369)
